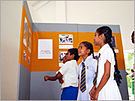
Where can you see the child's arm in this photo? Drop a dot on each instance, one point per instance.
(78, 82)
(78, 85)
(94, 70)
(57, 76)
(103, 81)
(61, 80)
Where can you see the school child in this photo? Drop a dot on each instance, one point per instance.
(69, 71)
(87, 69)
(106, 87)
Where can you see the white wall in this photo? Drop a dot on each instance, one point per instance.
(10, 29)
(105, 12)
(91, 12)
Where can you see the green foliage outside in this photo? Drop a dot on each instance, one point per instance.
(128, 82)
(129, 61)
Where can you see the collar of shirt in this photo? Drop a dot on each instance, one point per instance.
(104, 47)
(87, 59)
(71, 61)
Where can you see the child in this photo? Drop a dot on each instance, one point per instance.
(85, 50)
(69, 71)
(106, 87)
(132, 80)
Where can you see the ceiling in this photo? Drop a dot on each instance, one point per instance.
(38, 4)
(105, 12)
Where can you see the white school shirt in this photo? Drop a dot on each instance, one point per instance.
(69, 70)
(110, 91)
(90, 67)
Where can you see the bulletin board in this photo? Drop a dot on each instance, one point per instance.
(50, 64)
(55, 63)
(25, 41)
(60, 41)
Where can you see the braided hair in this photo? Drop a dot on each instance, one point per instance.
(88, 45)
(108, 35)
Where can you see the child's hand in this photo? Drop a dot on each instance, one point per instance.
(45, 78)
(94, 95)
(92, 92)
(61, 80)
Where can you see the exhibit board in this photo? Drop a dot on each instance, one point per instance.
(53, 64)
(58, 33)
(42, 48)
(25, 41)
(25, 53)
(46, 64)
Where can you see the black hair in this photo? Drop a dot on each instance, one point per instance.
(88, 45)
(108, 35)
(75, 52)
(133, 33)
(132, 70)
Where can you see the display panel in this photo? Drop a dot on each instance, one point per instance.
(65, 39)
(45, 49)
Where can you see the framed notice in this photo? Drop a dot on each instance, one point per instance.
(24, 55)
(25, 36)
(61, 55)
(65, 39)
(113, 42)
(29, 41)
(29, 60)
(45, 49)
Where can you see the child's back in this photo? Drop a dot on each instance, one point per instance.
(70, 74)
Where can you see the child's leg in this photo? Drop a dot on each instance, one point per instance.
(69, 93)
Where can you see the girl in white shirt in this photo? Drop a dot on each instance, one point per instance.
(85, 50)
(107, 80)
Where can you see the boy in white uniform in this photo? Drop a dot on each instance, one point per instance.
(69, 72)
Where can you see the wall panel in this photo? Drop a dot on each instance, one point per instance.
(24, 63)
(41, 90)
(24, 83)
